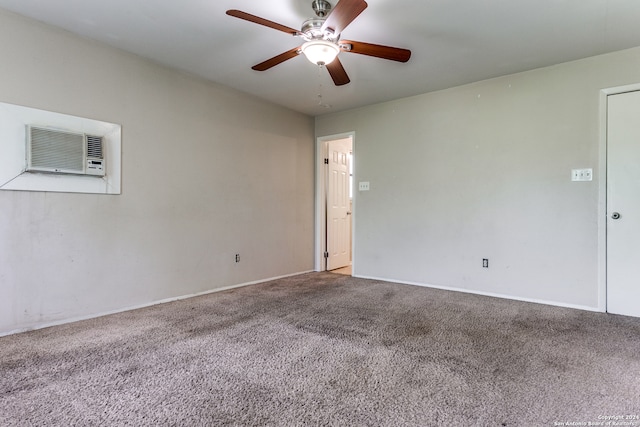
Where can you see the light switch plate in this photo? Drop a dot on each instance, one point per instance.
(582, 174)
(363, 186)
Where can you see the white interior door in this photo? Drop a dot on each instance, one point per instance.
(623, 203)
(338, 204)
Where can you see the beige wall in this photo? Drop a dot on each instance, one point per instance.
(207, 172)
(483, 171)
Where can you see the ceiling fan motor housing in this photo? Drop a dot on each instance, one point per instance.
(312, 30)
(321, 8)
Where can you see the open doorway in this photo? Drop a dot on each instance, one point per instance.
(335, 205)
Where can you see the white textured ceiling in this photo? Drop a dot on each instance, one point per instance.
(453, 41)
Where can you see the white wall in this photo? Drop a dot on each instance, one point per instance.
(483, 171)
(207, 172)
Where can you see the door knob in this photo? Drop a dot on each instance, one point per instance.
(615, 215)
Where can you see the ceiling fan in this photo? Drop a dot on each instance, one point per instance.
(322, 38)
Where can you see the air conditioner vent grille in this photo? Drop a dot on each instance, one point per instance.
(94, 146)
(57, 150)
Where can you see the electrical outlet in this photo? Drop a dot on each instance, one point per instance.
(485, 262)
(237, 257)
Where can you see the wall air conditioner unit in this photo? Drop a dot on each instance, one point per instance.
(56, 151)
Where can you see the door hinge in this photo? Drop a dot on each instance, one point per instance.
(326, 161)
(326, 254)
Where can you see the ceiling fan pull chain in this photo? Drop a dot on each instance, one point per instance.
(319, 84)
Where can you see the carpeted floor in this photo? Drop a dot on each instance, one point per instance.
(331, 350)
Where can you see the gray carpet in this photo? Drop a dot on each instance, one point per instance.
(325, 349)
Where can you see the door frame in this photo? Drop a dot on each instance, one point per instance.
(602, 191)
(321, 200)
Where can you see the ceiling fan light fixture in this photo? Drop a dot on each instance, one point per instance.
(320, 52)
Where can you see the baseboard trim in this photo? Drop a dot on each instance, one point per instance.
(487, 294)
(138, 306)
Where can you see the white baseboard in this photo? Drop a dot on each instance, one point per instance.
(487, 294)
(403, 282)
(138, 306)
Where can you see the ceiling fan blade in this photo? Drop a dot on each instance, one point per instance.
(257, 20)
(379, 51)
(263, 66)
(337, 72)
(343, 14)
